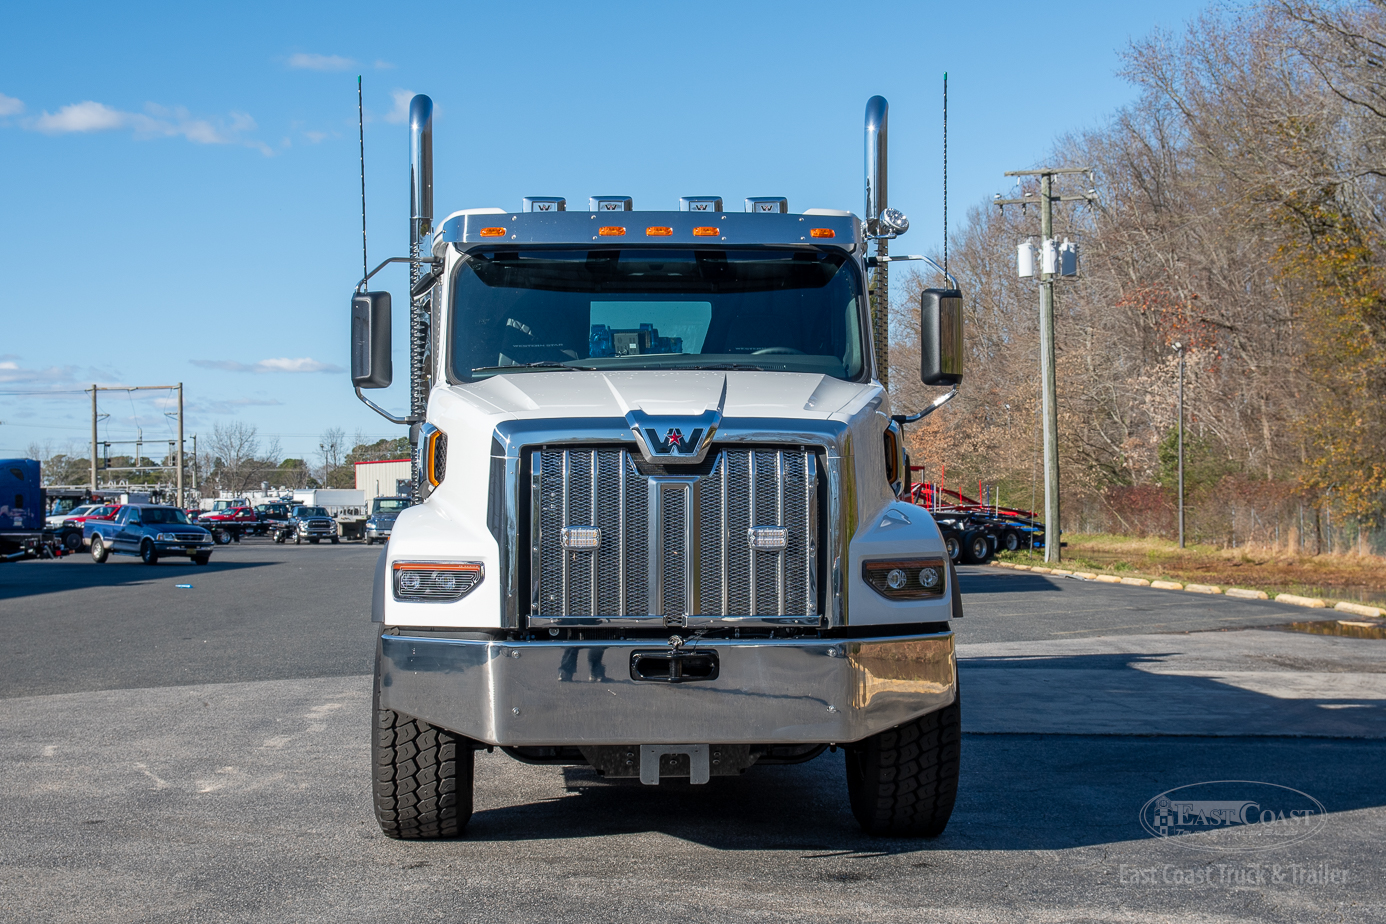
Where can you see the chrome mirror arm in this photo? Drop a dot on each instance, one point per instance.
(429, 261)
(404, 421)
(937, 403)
(873, 261)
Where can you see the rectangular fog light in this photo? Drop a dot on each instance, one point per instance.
(582, 538)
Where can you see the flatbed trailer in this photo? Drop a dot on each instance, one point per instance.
(972, 531)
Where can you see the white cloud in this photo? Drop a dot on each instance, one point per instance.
(231, 406)
(309, 62)
(13, 374)
(382, 65)
(10, 106)
(282, 364)
(82, 117)
(401, 111)
(315, 137)
(155, 122)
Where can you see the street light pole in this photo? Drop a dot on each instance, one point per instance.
(1179, 348)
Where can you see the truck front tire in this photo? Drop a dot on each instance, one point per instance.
(902, 782)
(421, 776)
(148, 554)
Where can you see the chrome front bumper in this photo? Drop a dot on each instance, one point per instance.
(581, 693)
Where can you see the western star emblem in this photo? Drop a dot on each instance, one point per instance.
(673, 441)
(668, 439)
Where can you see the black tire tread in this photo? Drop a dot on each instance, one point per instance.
(422, 778)
(903, 782)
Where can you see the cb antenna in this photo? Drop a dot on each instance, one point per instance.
(945, 175)
(361, 122)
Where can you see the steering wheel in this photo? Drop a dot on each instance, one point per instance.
(778, 350)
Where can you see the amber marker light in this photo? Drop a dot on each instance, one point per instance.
(492, 232)
(658, 231)
(612, 231)
(822, 232)
(704, 231)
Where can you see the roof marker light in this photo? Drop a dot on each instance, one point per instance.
(822, 232)
(658, 231)
(492, 232)
(610, 204)
(611, 231)
(767, 205)
(700, 203)
(705, 231)
(545, 204)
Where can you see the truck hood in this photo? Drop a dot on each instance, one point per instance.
(665, 392)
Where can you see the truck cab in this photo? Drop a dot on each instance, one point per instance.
(660, 528)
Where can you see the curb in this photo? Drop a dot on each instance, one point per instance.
(1311, 602)
(1240, 593)
(1358, 609)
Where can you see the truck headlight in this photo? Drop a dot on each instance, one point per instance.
(166, 537)
(906, 578)
(436, 580)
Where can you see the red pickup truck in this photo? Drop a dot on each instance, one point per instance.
(71, 532)
(230, 523)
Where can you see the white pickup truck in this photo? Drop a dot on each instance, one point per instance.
(659, 532)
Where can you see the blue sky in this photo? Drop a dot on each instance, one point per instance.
(179, 189)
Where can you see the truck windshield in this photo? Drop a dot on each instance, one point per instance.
(163, 515)
(389, 504)
(647, 308)
(310, 511)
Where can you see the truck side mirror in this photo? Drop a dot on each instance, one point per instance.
(941, 337)
(370, 340)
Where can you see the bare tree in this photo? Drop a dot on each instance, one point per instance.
(331, 450)
(1240, 216)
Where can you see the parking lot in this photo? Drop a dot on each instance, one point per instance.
(201, 754)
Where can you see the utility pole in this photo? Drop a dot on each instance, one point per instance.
(180, 445)
(94, 389)
(1179, 348)
(1048, 378)
(139, 442)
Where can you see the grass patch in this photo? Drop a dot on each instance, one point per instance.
(1359, 578)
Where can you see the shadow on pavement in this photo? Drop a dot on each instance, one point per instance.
(31, 578)
(1108, 694)
(972, 583)
(1018, 792)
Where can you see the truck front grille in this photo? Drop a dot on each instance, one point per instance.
(738, 540)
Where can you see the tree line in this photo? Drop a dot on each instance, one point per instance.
(233, 459)
(1241, 212)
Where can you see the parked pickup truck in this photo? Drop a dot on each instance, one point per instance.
(311, 523)
(149, 531)
(73, 526)
(230, 523)
(382, 518)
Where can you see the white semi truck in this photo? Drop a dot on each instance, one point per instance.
(659, 531)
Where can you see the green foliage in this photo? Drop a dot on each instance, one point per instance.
(379, 450)
(1205, 464)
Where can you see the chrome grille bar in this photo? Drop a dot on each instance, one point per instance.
(675, 549)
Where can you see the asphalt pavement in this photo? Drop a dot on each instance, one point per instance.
(200, 754)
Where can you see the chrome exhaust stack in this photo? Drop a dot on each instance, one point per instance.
(877, 117)
(420, 225)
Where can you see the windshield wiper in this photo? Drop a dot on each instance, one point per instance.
(724, 367)
(545, 365)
